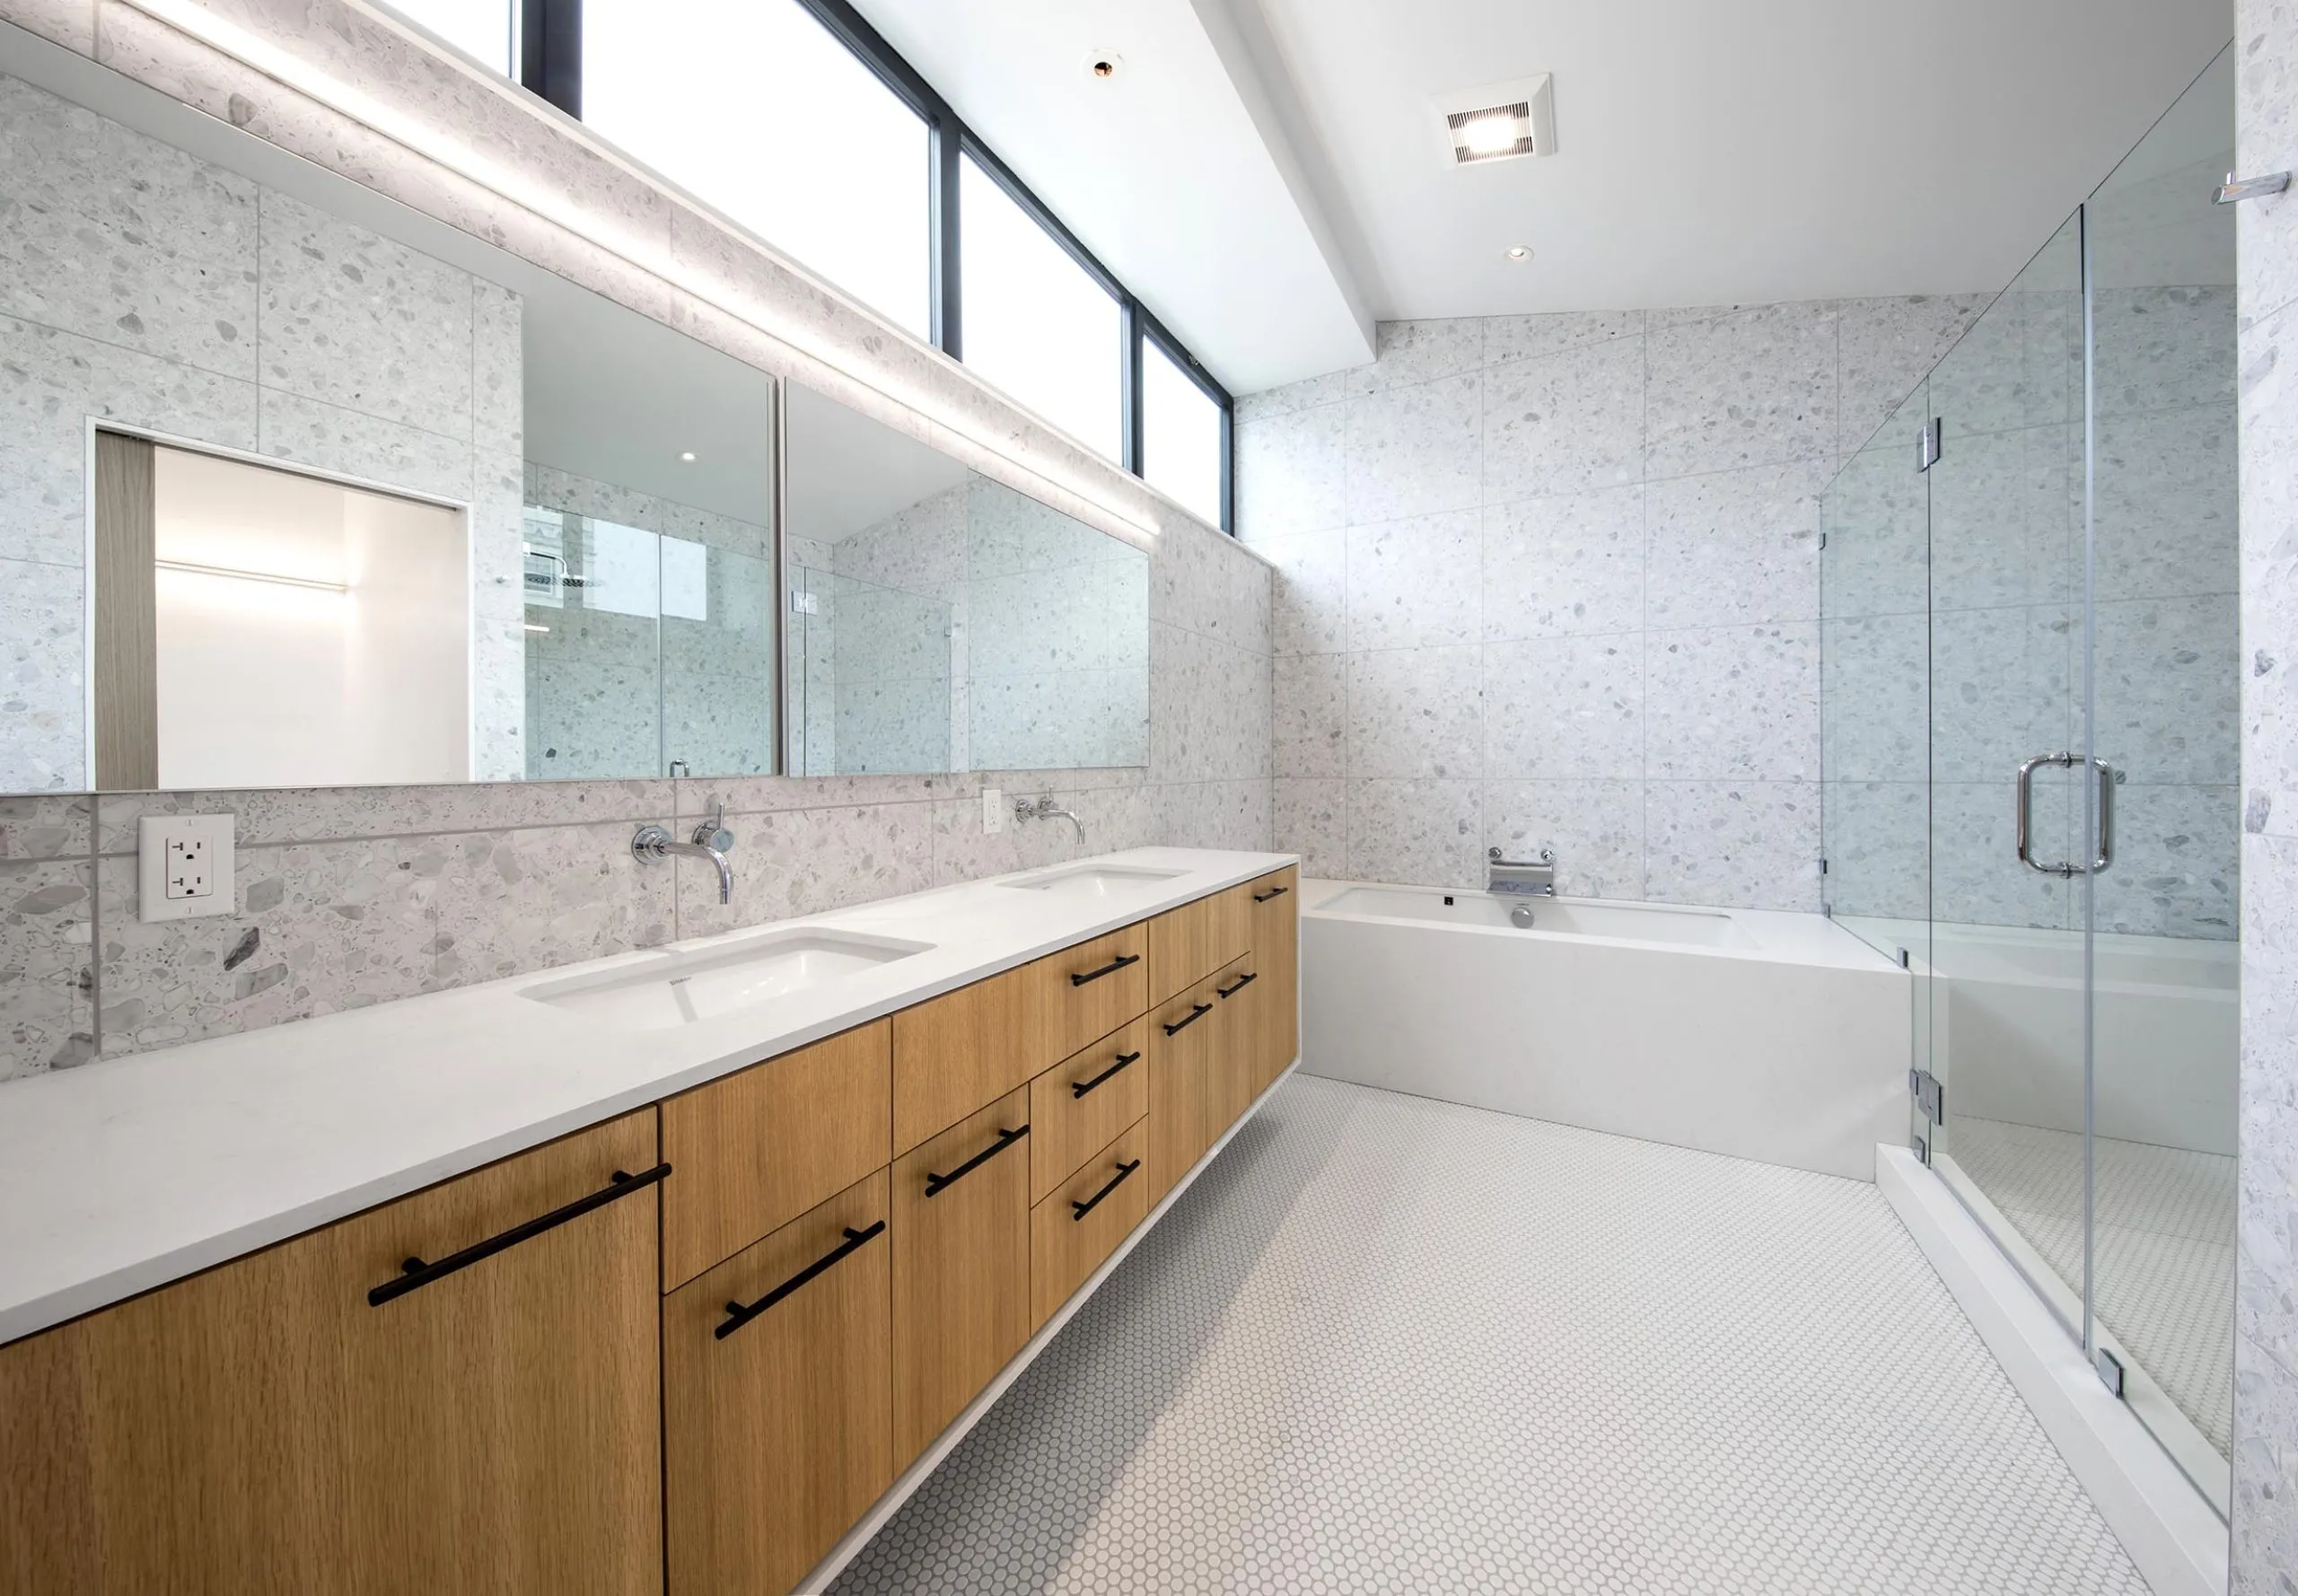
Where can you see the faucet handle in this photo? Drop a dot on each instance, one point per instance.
(712, 833)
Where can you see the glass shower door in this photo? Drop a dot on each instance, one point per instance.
(2165, 683)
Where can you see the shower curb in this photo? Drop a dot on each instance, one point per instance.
(2169, 1528)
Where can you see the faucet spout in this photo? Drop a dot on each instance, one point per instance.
(655, 843)
(1043, 810)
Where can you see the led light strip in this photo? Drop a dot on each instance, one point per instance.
(274, 577)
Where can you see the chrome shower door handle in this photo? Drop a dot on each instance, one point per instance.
(2026, 808)
(2105, 775)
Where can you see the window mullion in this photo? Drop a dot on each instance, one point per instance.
(944, 235)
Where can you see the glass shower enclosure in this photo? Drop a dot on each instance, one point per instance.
(2030, 685)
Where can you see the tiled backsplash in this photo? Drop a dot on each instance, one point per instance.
(1553, 581)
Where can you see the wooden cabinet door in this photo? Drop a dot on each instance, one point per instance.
(264, 1427)
(1188, 943)
(1181, 1049)
(1275, 901)
(1079, 1105)
(777, 1421)
(1233, 1052)
(1081, 1222)
(754, 1150)
(961, 1268)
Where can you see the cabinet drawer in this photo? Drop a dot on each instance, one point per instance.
(958, 1051)
(751, 1153)
(961, 1268)
(1187, 944)
(1081, 1223)
(1077, 1106)
(778, 1431)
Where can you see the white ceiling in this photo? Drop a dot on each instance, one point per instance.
(1174, 173)
(1261, 165)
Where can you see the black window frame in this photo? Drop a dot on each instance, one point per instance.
(550, 65)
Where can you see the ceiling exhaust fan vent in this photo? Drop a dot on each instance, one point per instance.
(1500, 121)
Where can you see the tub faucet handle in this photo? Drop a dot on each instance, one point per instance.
(1521, 877)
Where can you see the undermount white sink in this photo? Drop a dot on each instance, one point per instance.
(682, 988)
(1094, 881)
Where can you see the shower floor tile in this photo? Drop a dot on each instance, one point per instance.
(1391, 1344)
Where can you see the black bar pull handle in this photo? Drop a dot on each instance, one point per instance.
(937, 1184)
(1197, 1012)
(1110, 969)
(1079, 1210)
(1243, 982)
(739, 1314)
(415, 1272)
(1080, 1088)
(1272, 892)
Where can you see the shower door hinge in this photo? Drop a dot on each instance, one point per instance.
(1930, 1094)
(1920, 1146)
(2110, 1368)
(1927, 446)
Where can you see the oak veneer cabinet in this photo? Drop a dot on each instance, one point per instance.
(956, 1052)
(264, 1428)
(1233, 1059)
(1187, 944)
(1082, 1221)
(1275, 900)
(751, 1151)
(777, 1399)
(1079, 1105)
(960, 1267)
(1180, 1070)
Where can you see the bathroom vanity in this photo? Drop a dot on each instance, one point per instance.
(551, 1285)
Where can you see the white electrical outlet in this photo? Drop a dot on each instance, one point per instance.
(183, 867)
(993, 811)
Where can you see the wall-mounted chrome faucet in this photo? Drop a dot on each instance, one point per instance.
(711, 841)
(1041, 808)
(1521, 877)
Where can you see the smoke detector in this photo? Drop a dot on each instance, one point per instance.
(1499, 121)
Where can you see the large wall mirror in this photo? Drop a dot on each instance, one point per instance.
(301, 488)
(939, 620)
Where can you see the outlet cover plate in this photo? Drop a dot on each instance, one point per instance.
(993, 811)
(192, 855)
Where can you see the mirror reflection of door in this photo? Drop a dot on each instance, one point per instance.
(261, 627)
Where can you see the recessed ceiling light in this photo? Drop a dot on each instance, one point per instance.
(1519, 252)
(1497, 121)
(687, 458)
(1103, 65)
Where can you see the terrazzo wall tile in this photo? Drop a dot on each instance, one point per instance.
(1732, 703)
(1565, 707)
(2177, 862)
(1878, 849)
(43, 677)
(1742, 390)
(1735, 547)
(1739, 845)
(1312, 816)
(1308, 598)
(1563, 566)
(1415, 711)
(1417, 833)
(46, 912)
(1413, 585)
(175, 237)
(357, 322)
(1565, 423)
(1292, 472)
(2266, 1395)
(1311, 710)
(1875, 699)
(809, 861)
(1414, 450)
(1508, 338)
(1886, 346)
(510, 902)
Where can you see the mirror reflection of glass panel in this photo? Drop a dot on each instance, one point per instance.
(939, 620)
(609, 482)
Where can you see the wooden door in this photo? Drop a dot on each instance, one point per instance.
(1181, 1036)
(265, 1428)
(778, 1421)
(1276, 902)
(961, 1268)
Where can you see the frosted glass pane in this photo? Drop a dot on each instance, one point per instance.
(1180, 434)
(479, 27)
(755, 108)
(1033, 323)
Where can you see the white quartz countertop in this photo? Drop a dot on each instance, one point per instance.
(125, 1174)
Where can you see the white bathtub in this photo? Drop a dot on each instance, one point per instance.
(1777, 1036)
(2007, 1024)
